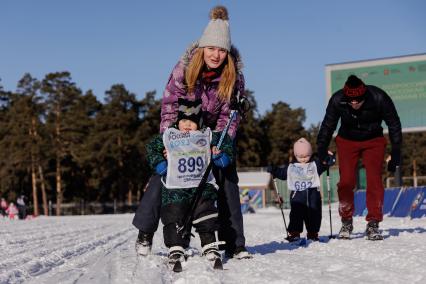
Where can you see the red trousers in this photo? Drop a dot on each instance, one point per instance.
(372, 153)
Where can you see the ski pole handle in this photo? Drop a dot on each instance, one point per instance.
(232, 116)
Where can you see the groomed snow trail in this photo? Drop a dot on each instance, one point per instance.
(100, 249)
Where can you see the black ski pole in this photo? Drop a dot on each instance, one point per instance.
(186, 226)
(329, 202)
(281, 201)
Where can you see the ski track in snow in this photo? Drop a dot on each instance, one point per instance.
(100, 249)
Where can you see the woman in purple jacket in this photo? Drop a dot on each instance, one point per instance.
(209, 70)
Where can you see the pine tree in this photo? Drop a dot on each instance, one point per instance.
(114, 143)
(282, 126)
(249, 137)
(7, 175)
(80, 119)
(62, 95)
(150, 126)
(30, 110)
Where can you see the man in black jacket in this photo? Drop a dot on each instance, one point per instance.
(361, 109)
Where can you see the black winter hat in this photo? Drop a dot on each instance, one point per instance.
(354, 89)
(190, 110)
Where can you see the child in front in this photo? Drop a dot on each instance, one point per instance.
(303, 180)
(181, 156)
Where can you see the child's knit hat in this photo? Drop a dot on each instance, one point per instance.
(302, 147)
(190, 110)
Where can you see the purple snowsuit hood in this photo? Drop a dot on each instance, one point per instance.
(215, 112)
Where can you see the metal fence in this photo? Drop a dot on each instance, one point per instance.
(88, 208)
(115, 207)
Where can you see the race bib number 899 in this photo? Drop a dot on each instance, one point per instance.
(188, 156)
(190, 164)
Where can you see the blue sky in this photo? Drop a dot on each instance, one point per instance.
(285, 45)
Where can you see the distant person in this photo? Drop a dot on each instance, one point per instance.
(181, 156)
(303, 181)
(210, 70)
(3, 207)
(12, 211)
(22, 207)
(361, 109)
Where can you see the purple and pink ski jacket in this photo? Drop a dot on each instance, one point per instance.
(215, 112)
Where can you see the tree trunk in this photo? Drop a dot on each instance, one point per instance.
(129, 194)
(43, 191)
(58, 185)
(40, 170)
(34, 184)
(138, 195)
(32, 133)
(121, 181)
(59, 196)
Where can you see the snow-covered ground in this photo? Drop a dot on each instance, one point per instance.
(100, 249)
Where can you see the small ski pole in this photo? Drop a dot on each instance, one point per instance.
(281, 205)
(329, 202)
(185, 227)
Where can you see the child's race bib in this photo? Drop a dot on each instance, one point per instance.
(302, 176)
(188, 155)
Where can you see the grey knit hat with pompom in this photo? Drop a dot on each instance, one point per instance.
(217, 32)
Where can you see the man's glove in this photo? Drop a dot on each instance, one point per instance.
(221, 160)
(330, 159)
(395, 160)
(161, 168)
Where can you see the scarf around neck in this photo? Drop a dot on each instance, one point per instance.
(209, 75)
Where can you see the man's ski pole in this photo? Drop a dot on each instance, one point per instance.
(281, 205)
(186, 226)
(329, 202)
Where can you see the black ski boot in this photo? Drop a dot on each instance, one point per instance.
(372, 232)
(346, 230)
(242, 253)
(144, 243)
(313, 236)
(293, 237)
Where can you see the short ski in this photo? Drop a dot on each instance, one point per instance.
(218, 264)
(177, 266)
(304, 242)
(299, 242)
(374, 238)
(344, 238)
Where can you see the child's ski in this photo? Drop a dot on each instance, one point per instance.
(177, 266)
(218, 264)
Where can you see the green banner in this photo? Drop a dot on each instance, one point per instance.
(405, 82)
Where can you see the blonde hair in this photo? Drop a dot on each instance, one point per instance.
(227, 80)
